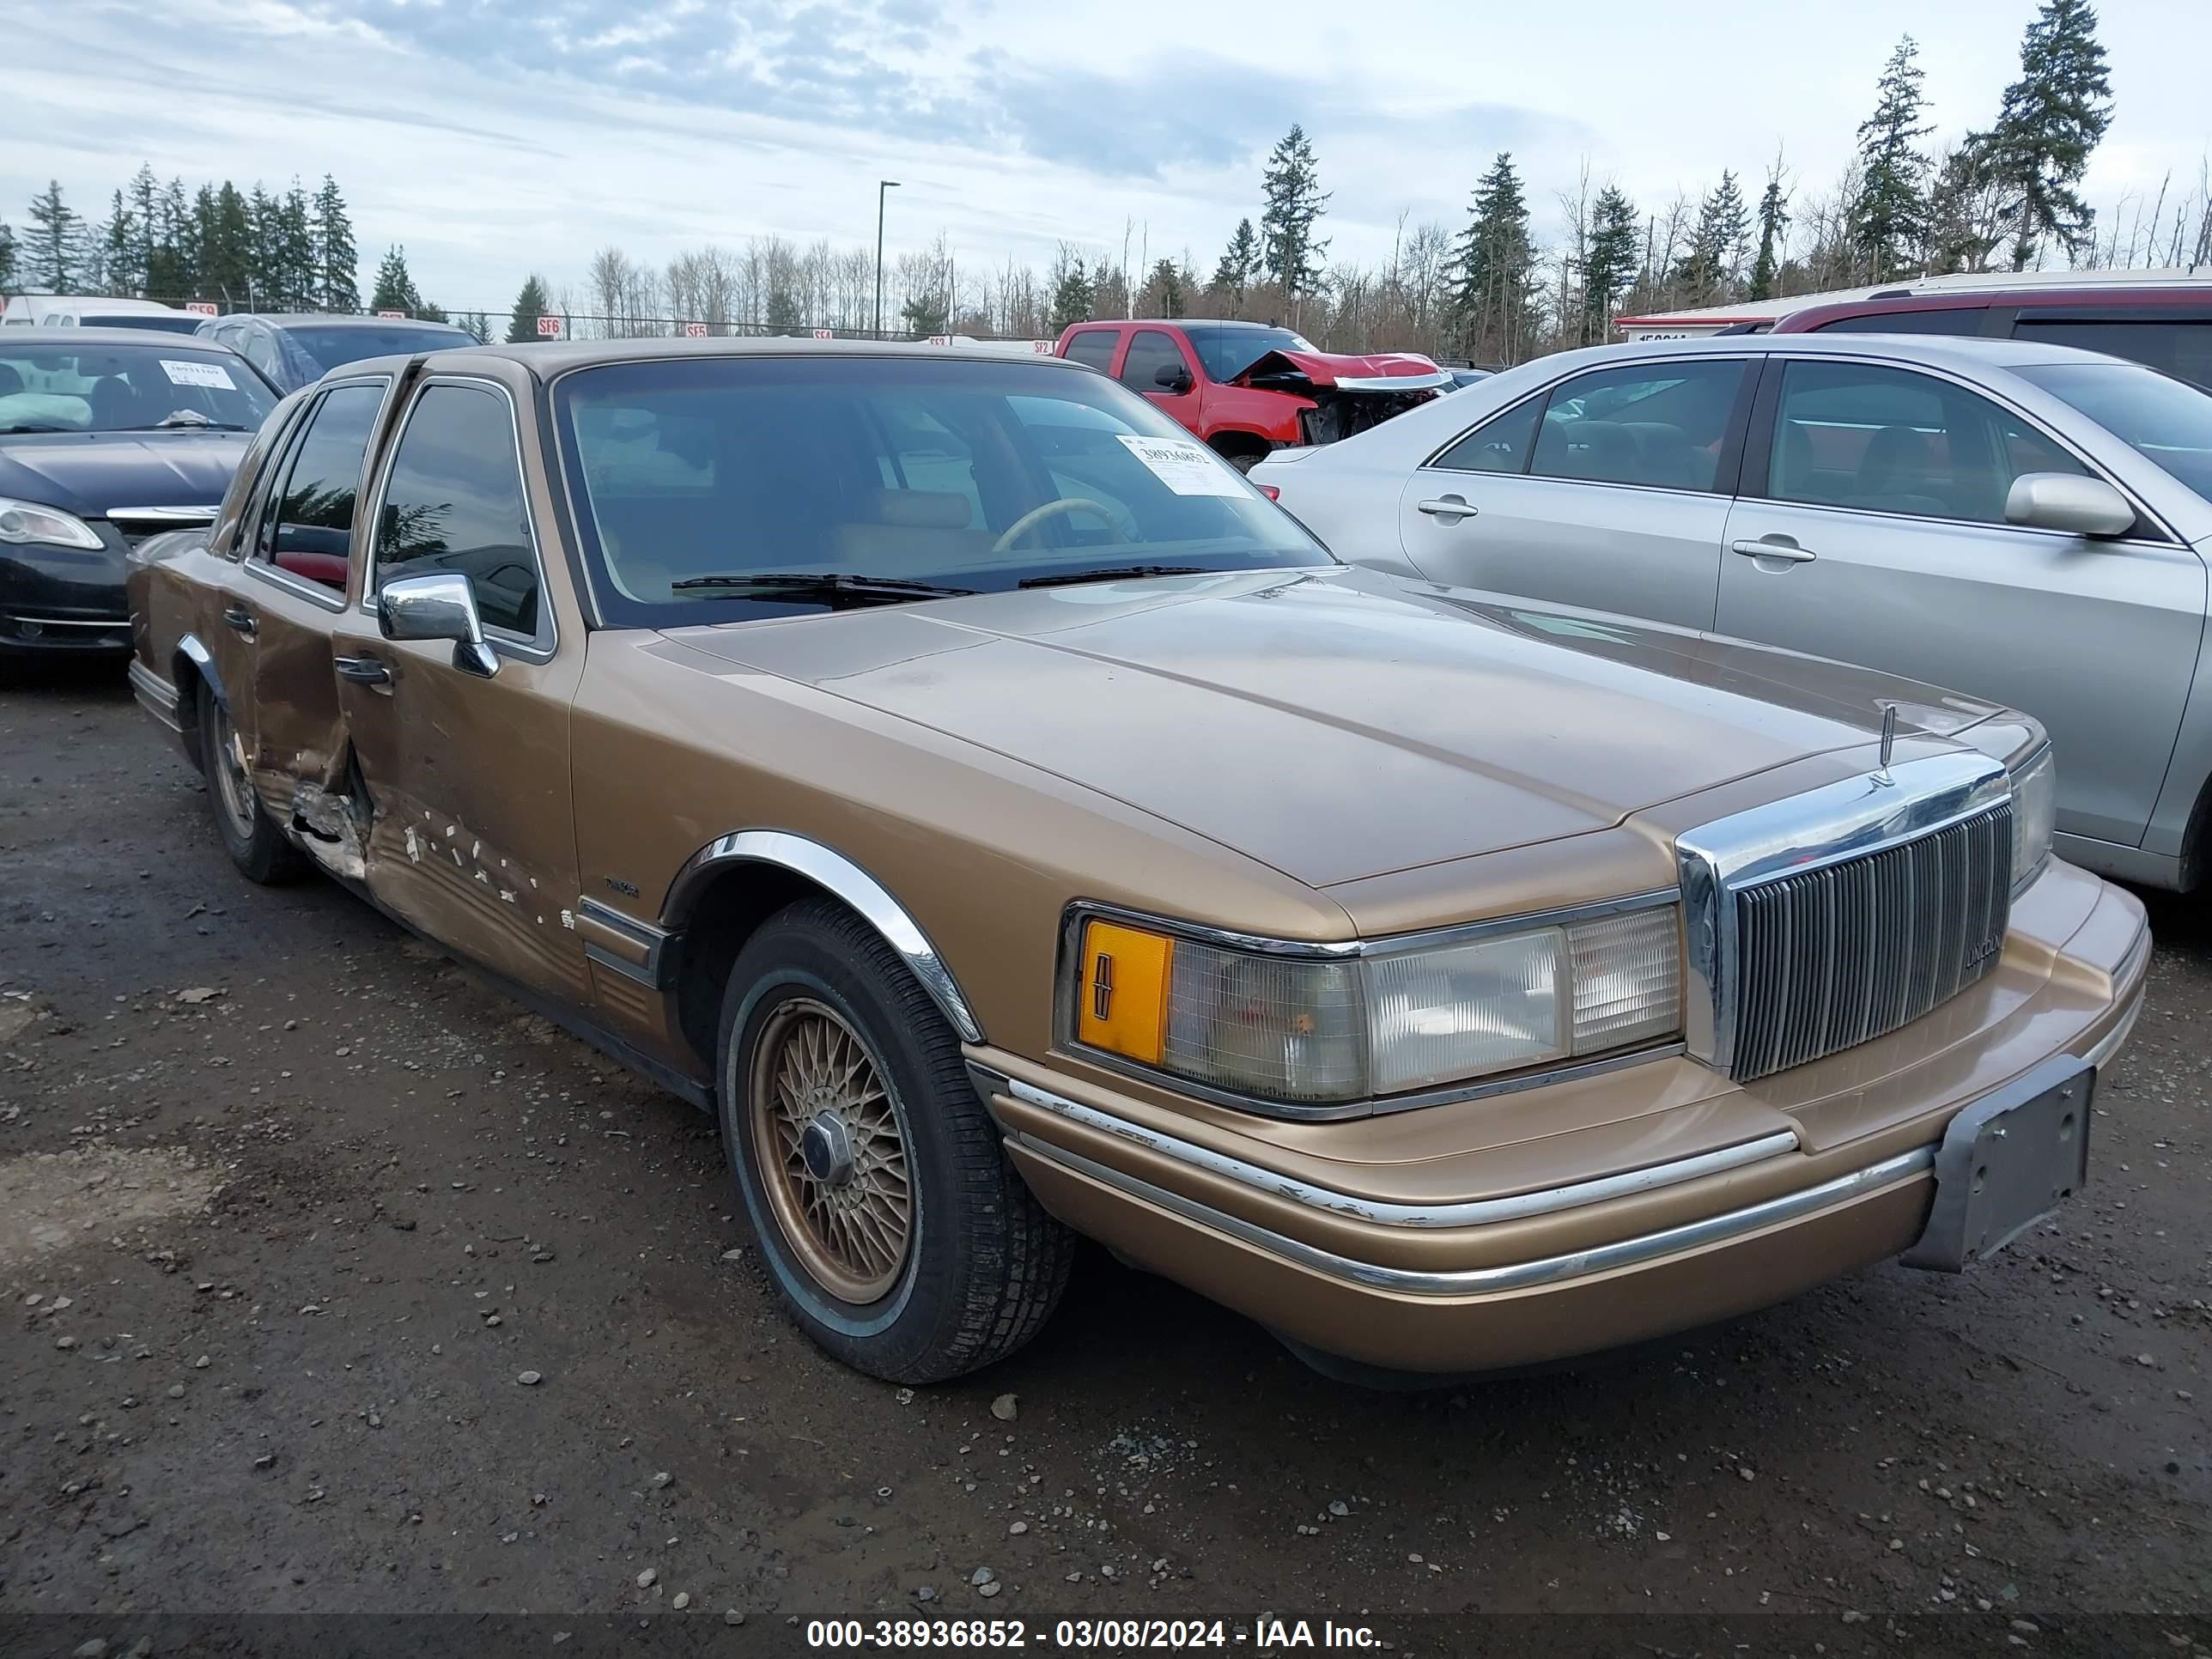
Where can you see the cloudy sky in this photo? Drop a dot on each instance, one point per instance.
(492, 136)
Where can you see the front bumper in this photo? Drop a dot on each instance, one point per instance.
(57, 601)
(1755, 1205)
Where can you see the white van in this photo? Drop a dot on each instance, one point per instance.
(94, 310)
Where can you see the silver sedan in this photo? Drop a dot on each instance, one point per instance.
(2027, 524)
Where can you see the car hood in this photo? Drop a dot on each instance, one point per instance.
(89, 473)
(1392, 370)
(1340, 724)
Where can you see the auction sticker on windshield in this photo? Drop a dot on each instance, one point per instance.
(214, 374)
(1183, 464)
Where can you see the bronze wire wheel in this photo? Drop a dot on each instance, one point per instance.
(831, 1146)
(233, 787)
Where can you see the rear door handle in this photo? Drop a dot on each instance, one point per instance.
(362, 670)
(240, 618)
(1451, 506)
(1787, 551)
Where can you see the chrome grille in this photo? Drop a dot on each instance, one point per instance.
(1846, 952)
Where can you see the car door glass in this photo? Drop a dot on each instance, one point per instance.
(1661, 424)
(1150, 352)
(1498, 445)
(454, 502)
(313, 516)
(1094, 346)
(1889, 440)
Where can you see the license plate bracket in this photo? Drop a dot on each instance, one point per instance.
(2006, 1163)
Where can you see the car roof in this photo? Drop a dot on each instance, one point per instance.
(1191, 324)
(547, 358)
(2115, 295)
(333, 319)
(1962, 351)
(19, 335)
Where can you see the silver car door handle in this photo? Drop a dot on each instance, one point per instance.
(1786, 550)
(1450, 508)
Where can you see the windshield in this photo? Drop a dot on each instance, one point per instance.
(329, 347)
(154, 387)
(2164, 419)
(1228, 352)
(692, 475)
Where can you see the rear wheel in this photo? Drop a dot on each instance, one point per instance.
(256, 846)
(902, 1240)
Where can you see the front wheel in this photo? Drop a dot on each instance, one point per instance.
(255, 844)
(902, 1240)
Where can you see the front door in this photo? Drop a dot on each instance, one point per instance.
(1611, 492)
(472, 837)
(1874, 531)
(1150, 350)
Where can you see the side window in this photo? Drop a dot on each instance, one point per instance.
(932, 466)
(312, 524)
(258, 347)
(2181, 348)
(1094, 346)
(1659, 423)
(1150, 352)
(454, 502)
(1890, 440)
(1954, 320)
(233, 534)
(1499, 445)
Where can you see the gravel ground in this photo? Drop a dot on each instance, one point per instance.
(336, 1285)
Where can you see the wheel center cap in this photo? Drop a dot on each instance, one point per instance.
(827, 1145)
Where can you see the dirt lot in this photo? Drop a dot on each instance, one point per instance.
(336, 1285)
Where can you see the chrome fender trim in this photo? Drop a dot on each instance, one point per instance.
(835, 873)
(156, 695)
(193, 652)
(1473, 1212)
(1514, 1276)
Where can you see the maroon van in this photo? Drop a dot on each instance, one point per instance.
(2165, 325)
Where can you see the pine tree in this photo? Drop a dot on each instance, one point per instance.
(1710, 265)
(1240, 262)
(1497, 299)
(476, 324)
(1773, 227)
(2051, 120)
(529, 306)
(1889, 220)
(7, 255)
(295, 250)
(1609, 262)
(266, 259)
(337, 263)
(173, 262)
(1072, 298)
(1291, 253)
(54, 250)
(222, 232)
(121, 271)
(395, 288)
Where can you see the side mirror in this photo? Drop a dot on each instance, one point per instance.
(437, 607)
(2067, 501)
(1172, 377)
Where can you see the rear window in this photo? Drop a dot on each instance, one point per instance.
(2161, 419)
(128, 388)
(695, 477)
(2181, 347)
(329, 347)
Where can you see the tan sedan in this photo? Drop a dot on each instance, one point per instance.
(1013, 825)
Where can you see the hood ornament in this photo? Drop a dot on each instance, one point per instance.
(1881, 773)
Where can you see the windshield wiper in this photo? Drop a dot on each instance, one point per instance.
(171, 423)
(837, 589)
(1113, 573)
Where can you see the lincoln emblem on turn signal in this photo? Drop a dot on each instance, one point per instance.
(1102, 986)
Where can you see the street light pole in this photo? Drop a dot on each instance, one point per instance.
(881, 185)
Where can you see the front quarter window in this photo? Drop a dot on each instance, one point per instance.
(717, 488)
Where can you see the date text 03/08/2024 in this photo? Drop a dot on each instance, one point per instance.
(1264, 1634)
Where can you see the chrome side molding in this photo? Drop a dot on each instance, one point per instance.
(836, 873)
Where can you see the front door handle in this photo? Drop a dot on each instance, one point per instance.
(1451, 507)
(1788, 552)
(241, 619)
(362, 670)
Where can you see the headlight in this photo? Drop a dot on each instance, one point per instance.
(2023, 746)
(27, 521)
(1324, 1029)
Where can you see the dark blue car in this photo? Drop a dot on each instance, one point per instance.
(107, 436)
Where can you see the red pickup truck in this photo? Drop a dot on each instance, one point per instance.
(1248, 388)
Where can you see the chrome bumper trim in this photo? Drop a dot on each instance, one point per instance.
(1475, 1212)
(1516, 1276)
(156, 695)
(2101, 1055)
